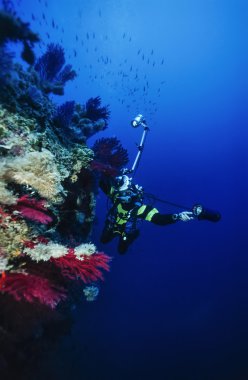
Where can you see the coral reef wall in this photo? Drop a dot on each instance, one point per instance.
(47, 195)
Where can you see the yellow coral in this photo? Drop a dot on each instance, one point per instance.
(35, 169)
(6, 196)
(12, 235)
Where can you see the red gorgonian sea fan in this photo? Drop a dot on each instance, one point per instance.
(88, 269)
(110, 153)
(33, 209)
(33, 288)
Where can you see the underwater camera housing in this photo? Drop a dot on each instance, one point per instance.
(202, 213)
(138, 120)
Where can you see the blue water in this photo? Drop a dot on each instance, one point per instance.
(175, 307)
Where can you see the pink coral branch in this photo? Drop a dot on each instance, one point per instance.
(88, 269)
(33, 209)
(33, 288)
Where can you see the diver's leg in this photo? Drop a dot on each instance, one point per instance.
(126, 240)
(123, 245)
(107, 234)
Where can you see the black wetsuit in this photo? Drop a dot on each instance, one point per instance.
(127, 208)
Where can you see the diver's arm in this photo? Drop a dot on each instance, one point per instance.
(151, 214)
(163, 219)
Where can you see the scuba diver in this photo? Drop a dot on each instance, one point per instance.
(128, 205)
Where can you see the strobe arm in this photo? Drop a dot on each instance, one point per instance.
(140, 149)
(136, 122)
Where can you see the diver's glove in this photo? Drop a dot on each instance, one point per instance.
(184, 216)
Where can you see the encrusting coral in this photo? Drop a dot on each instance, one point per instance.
(35, 169)
(45, 181)
(47, 192)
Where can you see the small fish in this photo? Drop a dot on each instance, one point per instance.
(152, 52)
(76, 37)
(124, 35)
(130, 39)
(43, 16)
(33, 18)
(53, 23)
(93, 35)
(87, 35)
(162, 62)
(143, 57)
(75, 53)
(139, 51)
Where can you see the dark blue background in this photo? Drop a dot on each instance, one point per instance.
(176, 306)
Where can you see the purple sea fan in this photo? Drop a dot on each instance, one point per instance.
(63, 120)
(66, 74)
(110, 152)
(93, 110)
(50, 69)
(64, 114)
(51, 62)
